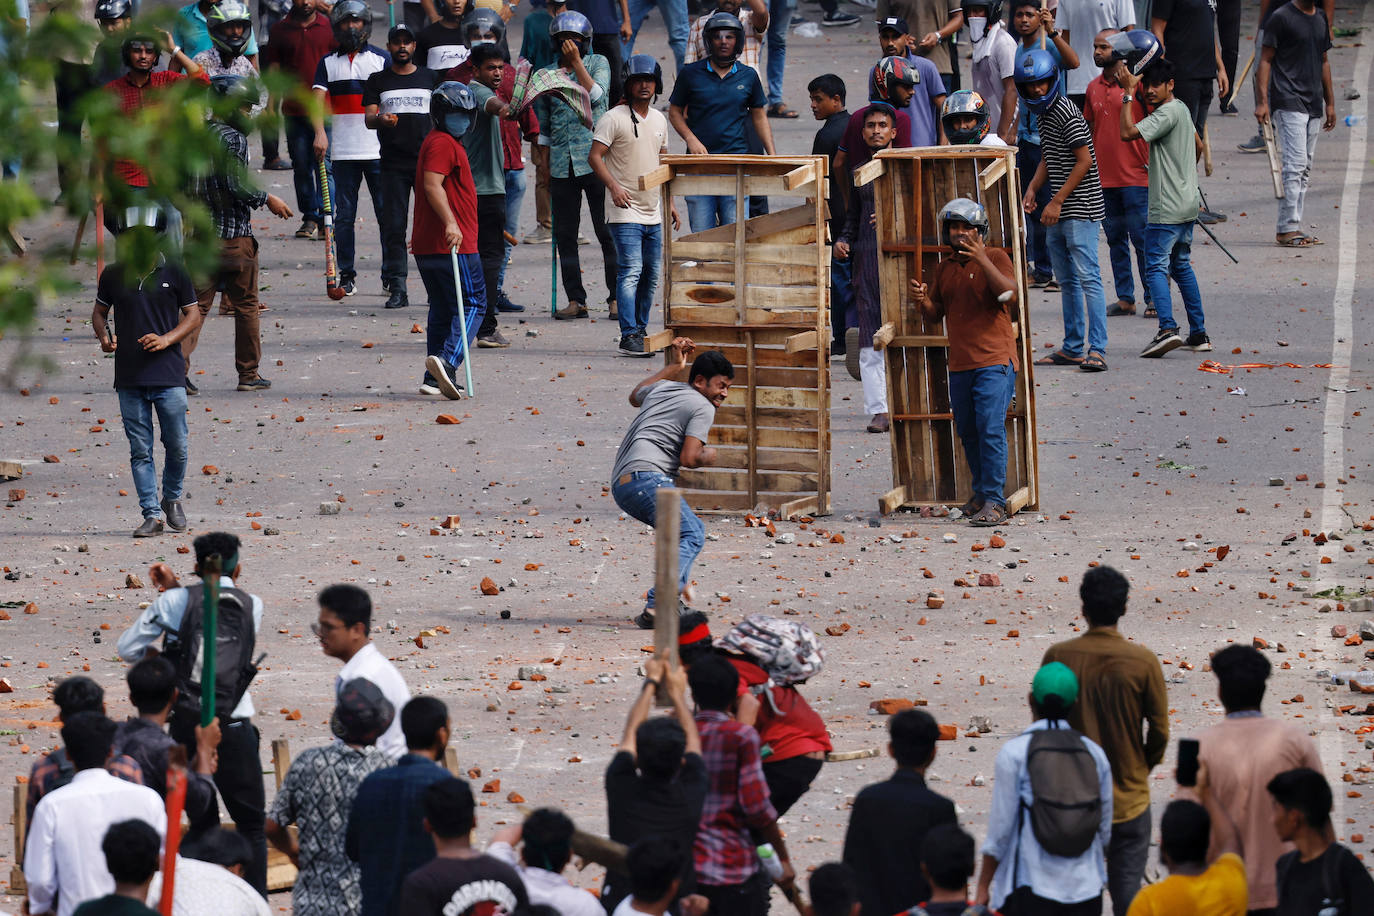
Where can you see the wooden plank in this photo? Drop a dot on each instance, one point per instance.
(806, 340)
(807, 505)
(892, 500)
(869, 171)
(759, 228)
(652, 179)
(658, 340)
(1018, 500)
(759, 253)
(771, 377)
(764, 356)
(741, 481)
(736, 336)
(451, 761)
(755, 274)
(992, 174)
(765, 437)
(21, 833)
(758, 397)
(751, 420)
(759, 298)
(800, 461)
(802, 175)
(681, 315)
(11, 470)
(667, 518)
(723, 185)
(281, 759)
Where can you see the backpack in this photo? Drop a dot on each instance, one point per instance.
(786, 650)
(973, 909)
(1066, 806)
(235, 642)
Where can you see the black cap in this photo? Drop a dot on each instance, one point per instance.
(896, 23)
(361, 713)
(399, 33)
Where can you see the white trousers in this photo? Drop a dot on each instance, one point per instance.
(873, 372)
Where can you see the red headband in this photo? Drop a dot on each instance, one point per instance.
(699, 633)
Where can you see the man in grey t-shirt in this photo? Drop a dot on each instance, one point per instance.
(670, 432)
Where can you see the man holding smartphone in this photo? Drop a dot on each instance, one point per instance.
(1120, 685)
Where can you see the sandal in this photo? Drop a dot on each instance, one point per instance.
(782, 111)
(972, 507)
(1120, 307)
(1094, 363)
(1295, 240)
(1059, 358)
(1150, 312)
(990, 516)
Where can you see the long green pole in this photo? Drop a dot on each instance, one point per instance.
(209, 636)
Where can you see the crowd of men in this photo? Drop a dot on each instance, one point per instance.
(693, 797)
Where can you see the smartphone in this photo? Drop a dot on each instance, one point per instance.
(1186, 773)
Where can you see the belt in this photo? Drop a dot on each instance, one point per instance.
(629, 478)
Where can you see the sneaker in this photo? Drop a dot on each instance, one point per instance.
(444, 376)
(493, 341)
(570, 311)
(1254, 145)
(1229, 110)
(254, 384)
(176, 516)
(309, 230)
(645, 620)
(1210, 217)
(1167, 339)
(150, 528)
(397, 300)
(277, 164)
(503, 303)
(1051, 285)
(1198, 343)
(632, 345)
(350, 288)
(583, 240)
(540, 234)
(839, 17)
(1038, 281)
(796, 21)
(191, 389)
(428, 388)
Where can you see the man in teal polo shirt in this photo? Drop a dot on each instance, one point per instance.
(710, 107)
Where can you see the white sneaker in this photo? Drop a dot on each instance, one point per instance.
(443, 377)
(430, 391)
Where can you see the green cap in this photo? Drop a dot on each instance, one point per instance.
(1055, 680)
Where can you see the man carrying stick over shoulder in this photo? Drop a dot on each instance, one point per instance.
(676, 409)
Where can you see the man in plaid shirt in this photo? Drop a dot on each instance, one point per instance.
(737, 808)
(231, 202)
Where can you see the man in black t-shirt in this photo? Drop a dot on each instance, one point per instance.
(459, 880)
(1188, 29)
(155, 308)
(657, 781)
(440, 45)
(1320, 876)
(396, 106)
(827, 93)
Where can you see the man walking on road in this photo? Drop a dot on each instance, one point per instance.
(1120, 687)
(297, 45)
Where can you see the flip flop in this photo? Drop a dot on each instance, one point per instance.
(1296, 240)
(781, 111)
(1150, 312)
(1120, 307)
(990, 516)
(1094, 363)
(1059, 358)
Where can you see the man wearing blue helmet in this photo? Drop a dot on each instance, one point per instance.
(1073, 216)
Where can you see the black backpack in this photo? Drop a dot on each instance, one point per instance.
(234, 645)
(1066, 806)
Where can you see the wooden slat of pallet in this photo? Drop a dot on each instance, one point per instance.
(761, 397)
(766, 459)
(773, 418)
(758, 228)
(759, 253)
(745, 482)
(800, 377)
(724, 185)
(697, 272)
(21, 827)
(11, 470)
(791, 303)
(808, 439)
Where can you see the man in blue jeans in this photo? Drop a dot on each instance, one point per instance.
(669, 432)
(674, 20)
(154, 304)
(626, 144)
(710, 107)
(1174, 198)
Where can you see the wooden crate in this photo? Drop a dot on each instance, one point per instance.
(928, 465)
(759, 291)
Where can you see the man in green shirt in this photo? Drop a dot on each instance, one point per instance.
(483, 145)
(1120, 685)
(1174, 199)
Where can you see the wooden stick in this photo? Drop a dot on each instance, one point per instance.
(99, 238)
(1240, 80)
(1042, 28)
(21, 829)
(592, 848)
(209, 639)
(80, 234)
(281, 759)
(667, 519)
(1207, 150)
(1271, 147)
(176, 804)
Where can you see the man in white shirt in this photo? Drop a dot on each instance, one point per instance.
(344, 630)
(63, 860)
(547, 835)
(209, 878)
(238, 775)
(1080, 21)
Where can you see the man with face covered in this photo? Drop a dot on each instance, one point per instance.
(753, 16)
(396, 106)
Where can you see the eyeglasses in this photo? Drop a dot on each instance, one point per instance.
(319, 629)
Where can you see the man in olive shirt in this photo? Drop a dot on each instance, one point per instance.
(1120, 684)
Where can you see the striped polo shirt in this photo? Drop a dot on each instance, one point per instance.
(342, 76)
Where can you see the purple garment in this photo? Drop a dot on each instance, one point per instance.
(862, 236)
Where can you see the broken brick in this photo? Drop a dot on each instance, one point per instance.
(492, 787)
(489, 587)
(890, 706)
(988, 580)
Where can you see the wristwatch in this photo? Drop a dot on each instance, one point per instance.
(1127, 97)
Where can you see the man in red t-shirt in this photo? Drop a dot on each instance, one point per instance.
(974, 291)
(1121, 171)
(295, 46)
(446, 221)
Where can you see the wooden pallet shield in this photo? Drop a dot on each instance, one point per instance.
(911, 185)
(759, 291)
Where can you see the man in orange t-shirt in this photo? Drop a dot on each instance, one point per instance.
(973, 291)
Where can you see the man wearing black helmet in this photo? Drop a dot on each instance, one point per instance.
(396, 106)
(352, 149)
(231, 202)
(712, 104)
(974, 291)
(626, 144)
(752, 15)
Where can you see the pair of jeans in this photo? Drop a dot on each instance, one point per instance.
(1028, 157)
(638, 498)
(566, 195)
(1168, 253)
(397, 181)
(841, 297)
(1073, 249)
(444, 331)
(707, 211)
(515, 193)
(1126, 854)
(1296, 133)
(136, 408)
(674, 14)
(1126, 211)
(237, 275)
(979, 399)
(305, 169)
(779, 23)
(349, 175)
(491, 250)
(639, 256)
